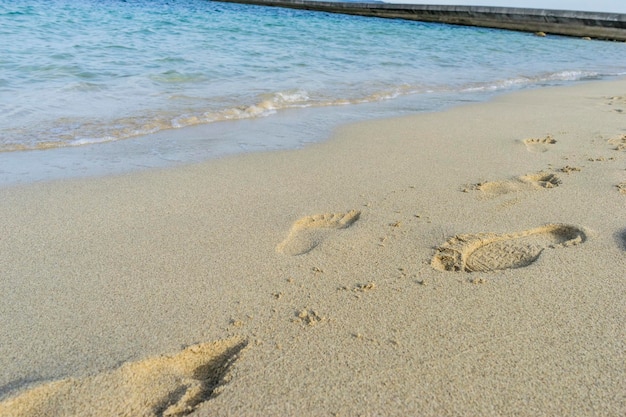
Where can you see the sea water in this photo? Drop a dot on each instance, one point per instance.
(90, 87)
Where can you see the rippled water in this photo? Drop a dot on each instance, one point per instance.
(83, 71)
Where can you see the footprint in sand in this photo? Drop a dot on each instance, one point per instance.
(485, 252)
(539, 144)
(619, 143)
(524, 183)
(159, 386)
(617, 102)
(310, 231)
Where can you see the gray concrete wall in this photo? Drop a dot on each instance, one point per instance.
(607, 26)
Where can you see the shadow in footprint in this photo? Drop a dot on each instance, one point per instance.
(620, 238)
(205, 376)
(18, 384)
(158, 386)
(310, 231)
(486, 252)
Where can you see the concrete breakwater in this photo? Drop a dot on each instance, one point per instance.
(597, 25)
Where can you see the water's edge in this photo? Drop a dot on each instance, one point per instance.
(196, 144)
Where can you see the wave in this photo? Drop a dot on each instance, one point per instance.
(79, 132)
(539, 80)
(174, 76)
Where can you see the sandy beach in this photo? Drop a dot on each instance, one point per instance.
(463, 263)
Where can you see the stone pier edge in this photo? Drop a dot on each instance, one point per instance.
(596, 25)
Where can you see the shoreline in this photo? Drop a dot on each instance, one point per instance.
(288, 129)
(173, 148)
(315, 281)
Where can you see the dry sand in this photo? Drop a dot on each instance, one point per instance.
(470, 262)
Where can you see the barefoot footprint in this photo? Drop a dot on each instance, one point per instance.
(310, 231)
(619, 142)
(523, 183)
(485, 252)
(539, 144)
(617, 101)
(159, 386)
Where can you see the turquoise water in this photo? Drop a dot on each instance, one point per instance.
(76, 74)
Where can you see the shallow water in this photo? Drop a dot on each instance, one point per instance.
(138, 74)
